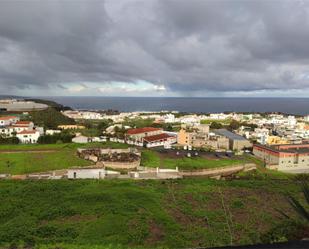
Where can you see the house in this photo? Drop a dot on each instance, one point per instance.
(28, 137)
(162, 139)
(8, 120)
(138, 134)
(23, 125)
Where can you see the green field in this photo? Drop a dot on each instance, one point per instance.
(144, 214)
(152, 159)
(209, 121)
(23, 159)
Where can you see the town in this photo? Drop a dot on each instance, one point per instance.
(279, 142)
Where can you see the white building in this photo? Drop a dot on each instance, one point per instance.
(8, 120)
(28, 137)
(52, 132)
(90, 173)
(169, 118)
(162, 139)
(81, 140)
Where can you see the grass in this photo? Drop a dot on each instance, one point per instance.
(105, 214)
(152, 159)
(222, 121)
(48, 157)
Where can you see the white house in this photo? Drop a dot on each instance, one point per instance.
(23, 126)
(8, 120)
(28, 137)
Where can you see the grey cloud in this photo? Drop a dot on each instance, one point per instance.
(189, 46)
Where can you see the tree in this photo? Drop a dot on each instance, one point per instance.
(215, 125)
(104, 124)
(234, 125)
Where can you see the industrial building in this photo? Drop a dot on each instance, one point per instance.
(236, 142)
(287, 157)
(139, 134)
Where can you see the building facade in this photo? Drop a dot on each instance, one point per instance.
(287, 157)
(139, 134)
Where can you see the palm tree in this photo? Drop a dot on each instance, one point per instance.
(298, 207)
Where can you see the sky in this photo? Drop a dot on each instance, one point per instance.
(193, 48)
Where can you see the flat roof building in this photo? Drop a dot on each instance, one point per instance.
(293, 158)
(236, 142)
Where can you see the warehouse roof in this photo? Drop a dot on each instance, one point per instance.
(228, 134)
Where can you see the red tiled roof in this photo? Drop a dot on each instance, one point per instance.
(157, 137)
(7, 117)
(142, 130)
(23, 122)
(27, 132)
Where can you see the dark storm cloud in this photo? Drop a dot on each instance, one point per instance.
(188, 46)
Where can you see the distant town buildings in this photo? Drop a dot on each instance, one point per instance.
(25, 131)
(71, 127)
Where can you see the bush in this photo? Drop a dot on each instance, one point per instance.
(56, 138)
(50, 118)
(9, 140)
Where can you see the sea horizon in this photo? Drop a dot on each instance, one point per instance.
(294, 105)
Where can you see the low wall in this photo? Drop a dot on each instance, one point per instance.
(219, 171)
(121, 165)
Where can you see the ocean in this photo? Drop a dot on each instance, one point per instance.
(198, 105)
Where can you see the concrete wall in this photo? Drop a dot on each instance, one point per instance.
(86, 173)
(122, 165)
(271, 159)
(239, 144)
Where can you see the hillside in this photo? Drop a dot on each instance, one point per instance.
(145, 214)
(50, 118)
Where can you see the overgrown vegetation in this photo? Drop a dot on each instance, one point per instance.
(49, 118)
(63, 137)
(185, 213)
(9, 140)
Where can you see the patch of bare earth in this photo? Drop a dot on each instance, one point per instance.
(156, 233)
(259, 209)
